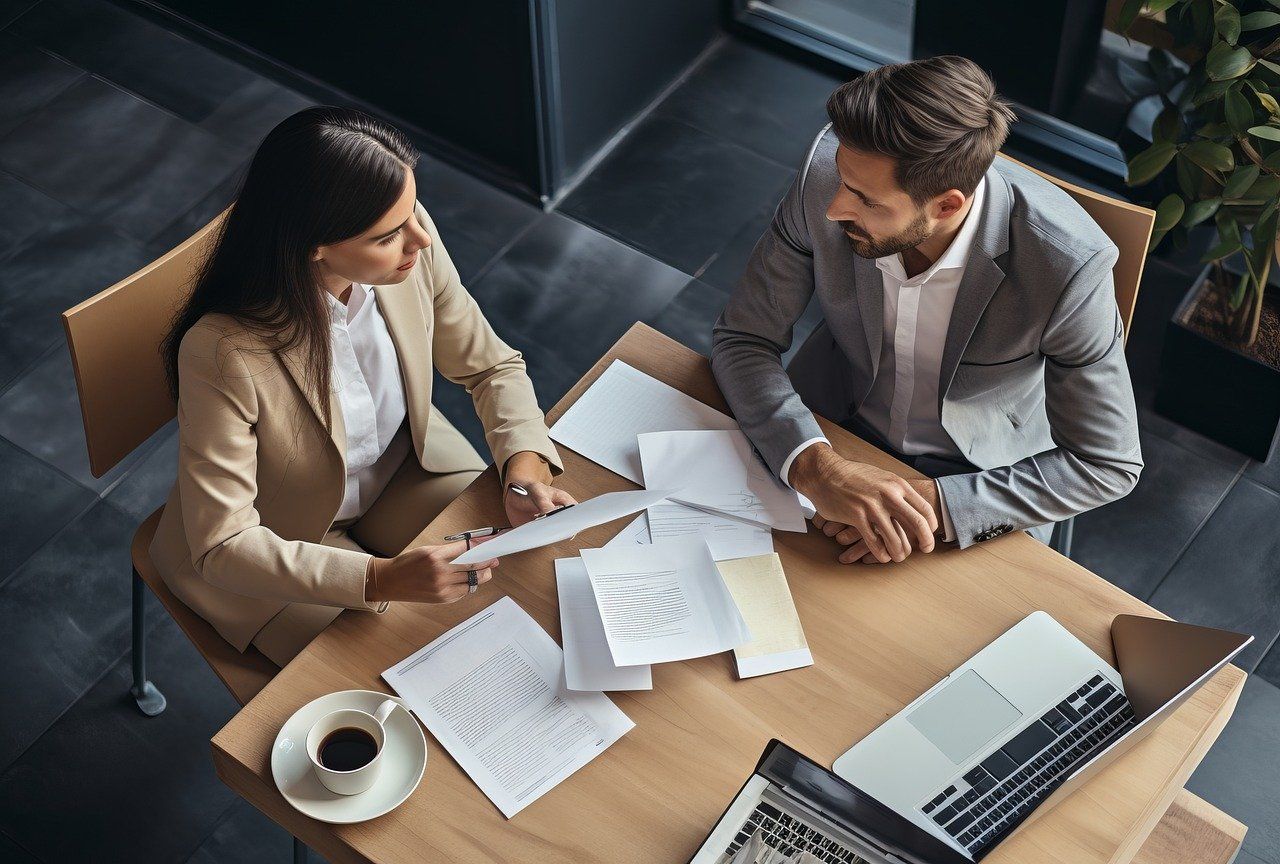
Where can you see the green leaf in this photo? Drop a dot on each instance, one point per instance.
(1156, 237)
(1199, 211)
(1157, 6)
(1240, 181)
(1271, 133)
(1144, 167)
(1168, 212)
(1239, 112)
(1226, 20)
(1167, 125)
(1268, 210)
(1211, 91)
(1224, 62)
(1128, 14)
(1215, 130)
(1269, 102)
(1221, 250)
(1272, 161)
(1210, 155)
(1274, 67)
(1228, 227)
(1188, 177)
(1267, 187)
(1258, 20)
(1237, 296)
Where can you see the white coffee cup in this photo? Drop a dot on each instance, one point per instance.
(360, 779)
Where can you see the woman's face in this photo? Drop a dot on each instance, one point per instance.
(386, 253)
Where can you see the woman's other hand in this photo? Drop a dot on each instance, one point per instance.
(423, 574)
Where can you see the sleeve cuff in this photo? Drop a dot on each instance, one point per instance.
(786, 465)
(948, 529)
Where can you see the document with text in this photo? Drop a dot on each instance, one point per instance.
(663, 602)
(719, 471)
(728, 537)
(588, 665)
(491, 691)
(622, 403)
(760, 589)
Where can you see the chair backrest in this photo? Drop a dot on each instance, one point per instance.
(115, 338)
(1129, 227)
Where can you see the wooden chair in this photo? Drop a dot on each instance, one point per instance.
(1129, 227)
(114, 339)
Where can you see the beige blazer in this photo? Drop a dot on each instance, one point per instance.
(260, 481)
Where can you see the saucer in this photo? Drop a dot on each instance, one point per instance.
(402, 765)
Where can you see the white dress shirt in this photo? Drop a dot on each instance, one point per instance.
(370, 390)
(903, 404)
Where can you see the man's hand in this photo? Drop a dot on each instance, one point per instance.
(887, 512)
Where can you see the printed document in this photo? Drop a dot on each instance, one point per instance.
(622, 403)
(635, 534)
(663, 602)
(491, 691)
(562, 525)
(719, 471)
(728, 537)
(587, 662)
(759, 587)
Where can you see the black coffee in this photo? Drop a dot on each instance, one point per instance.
(347, 749)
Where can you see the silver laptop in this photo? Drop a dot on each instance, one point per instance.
(1026, 720)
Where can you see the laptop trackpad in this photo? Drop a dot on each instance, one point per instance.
(963, 716)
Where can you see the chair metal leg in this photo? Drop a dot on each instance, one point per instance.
(1060, 542)
(150, 700)
(299, 852)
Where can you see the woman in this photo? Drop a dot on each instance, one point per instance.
(310, 454)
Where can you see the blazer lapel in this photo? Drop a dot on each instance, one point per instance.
(294, 361)
(869, 286)
(982, 276)
(410, 328)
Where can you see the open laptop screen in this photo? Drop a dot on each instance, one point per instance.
(851, 807)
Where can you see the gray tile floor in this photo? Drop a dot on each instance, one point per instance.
(118, 139)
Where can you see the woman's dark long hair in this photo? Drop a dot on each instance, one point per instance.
(322, 176)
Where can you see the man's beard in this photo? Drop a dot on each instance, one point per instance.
(908, 238)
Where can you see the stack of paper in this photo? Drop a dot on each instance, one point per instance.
(759, 588)
(588, 665)
(663, 602)
(491, 691)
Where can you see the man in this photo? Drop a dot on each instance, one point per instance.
(970, 326)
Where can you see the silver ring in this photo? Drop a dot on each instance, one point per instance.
(473, 581)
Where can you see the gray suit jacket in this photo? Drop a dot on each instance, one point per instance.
(1034, 389)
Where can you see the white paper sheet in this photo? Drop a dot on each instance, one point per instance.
(635, 534)
(563, 525)
(719, 471)
(759, 587)
(727, 537)
(663, 602)
(587, 662)
(622, 403)
(491, 691)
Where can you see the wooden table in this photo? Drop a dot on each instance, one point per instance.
(880, 636)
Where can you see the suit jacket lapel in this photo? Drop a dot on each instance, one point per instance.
(410, 326)
(294, 361)
(870, 289)
(982, 276)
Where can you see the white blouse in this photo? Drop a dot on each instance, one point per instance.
(370, 390)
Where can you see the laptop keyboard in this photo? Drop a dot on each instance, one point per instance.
(1009, 783)
(788, 834)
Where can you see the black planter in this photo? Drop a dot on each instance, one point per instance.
(1215, 390)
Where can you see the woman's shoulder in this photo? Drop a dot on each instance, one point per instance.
(214, 339)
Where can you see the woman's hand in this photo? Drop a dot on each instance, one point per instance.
(529, 472)
(423, 574)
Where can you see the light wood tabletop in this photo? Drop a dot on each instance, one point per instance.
(880, 636)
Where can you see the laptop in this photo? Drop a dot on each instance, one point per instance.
(1026, 721)
(991, 747)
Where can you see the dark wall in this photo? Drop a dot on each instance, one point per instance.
(614, 57)
(458, 71)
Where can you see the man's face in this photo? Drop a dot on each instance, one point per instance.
(878, 217)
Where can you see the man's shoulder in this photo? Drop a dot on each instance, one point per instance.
(1044, 217)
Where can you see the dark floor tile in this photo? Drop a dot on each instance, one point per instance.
(112, 155)
(29, 78)
(63, 263)
(246, 116)
(41, 414)
(106, 783)
(64, 621)
(1246, 857)
(1269, 668)
(12, 853)
(688, 318)
(245, 836)
(175, 73)
(726, 267)
(677, 192)
(1160, 293)
(1267, 473)
(1241, 773)
(1230, 574)
(1134, 541)
(147, 484)
(23, 211)
(35, 501)
(1196, 443)
(475, 220)
(750, 95)
(569, 287)
(200, 214)
(11, 9)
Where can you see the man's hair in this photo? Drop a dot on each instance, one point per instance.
(939, 119)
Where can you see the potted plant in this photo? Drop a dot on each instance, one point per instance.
(1214, 158)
